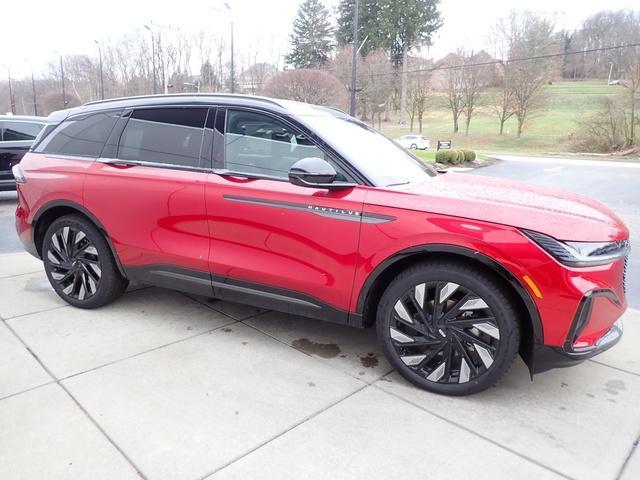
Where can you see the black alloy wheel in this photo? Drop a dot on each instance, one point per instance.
(448, 328)
(75, 263)
(80, 264)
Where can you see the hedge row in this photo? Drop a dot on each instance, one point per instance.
(455, 157)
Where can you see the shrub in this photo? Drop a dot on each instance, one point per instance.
(469, 155)
(452, 157)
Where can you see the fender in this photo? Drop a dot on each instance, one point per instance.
(75, 206)
(495, 266)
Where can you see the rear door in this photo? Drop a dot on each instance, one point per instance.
(148, 191)
(293, 246)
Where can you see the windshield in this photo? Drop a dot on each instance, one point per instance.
(383, 161)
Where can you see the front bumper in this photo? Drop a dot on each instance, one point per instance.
(575, 350)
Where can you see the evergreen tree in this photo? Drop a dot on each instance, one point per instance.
(311, 40)
(369, 22)
(392, 25)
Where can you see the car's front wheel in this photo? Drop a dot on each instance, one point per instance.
(448, 328)
(79, 263)
(414, 146)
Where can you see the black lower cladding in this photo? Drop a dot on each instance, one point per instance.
(258, 295)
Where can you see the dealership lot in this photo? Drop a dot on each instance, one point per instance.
(160, 385)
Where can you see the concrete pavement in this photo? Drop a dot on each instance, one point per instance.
(159, 385)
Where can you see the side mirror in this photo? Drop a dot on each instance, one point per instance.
(315, 172)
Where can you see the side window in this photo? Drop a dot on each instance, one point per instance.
(80, 135)
(21, 131)
(259, 144)
(172, 136)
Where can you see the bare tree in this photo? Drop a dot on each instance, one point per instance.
(632, 83)
(418, 91)
(527, 35)
(473, 82)
(311, 86)
(341, 68)
(454, 85)
(503, 101)
(376, 80)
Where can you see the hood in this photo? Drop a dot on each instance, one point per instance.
(562, 215)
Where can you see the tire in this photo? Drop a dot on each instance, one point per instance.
(414, 146)
(474, 323)
(79, 263)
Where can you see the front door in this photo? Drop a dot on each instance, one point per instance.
(290, 247)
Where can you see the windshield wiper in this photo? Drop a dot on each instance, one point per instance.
(400, 183)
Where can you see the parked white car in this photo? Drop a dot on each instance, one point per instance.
(413, 142)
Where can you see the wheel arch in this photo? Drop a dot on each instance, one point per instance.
(58, 208)
(373, 288)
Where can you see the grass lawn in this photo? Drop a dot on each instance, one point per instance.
(548, 130)
(427, 156)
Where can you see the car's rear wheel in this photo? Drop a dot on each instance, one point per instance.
(414, 146)
(448, 328)
(79, 263)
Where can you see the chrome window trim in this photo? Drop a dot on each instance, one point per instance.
(138, 163)
(68, 157)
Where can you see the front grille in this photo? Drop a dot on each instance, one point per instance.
(624, 274)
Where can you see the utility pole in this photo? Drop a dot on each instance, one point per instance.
(12, 101)
(153, 59)
(101, 72)
(354, 58)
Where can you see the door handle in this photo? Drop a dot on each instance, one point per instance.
(114, 162)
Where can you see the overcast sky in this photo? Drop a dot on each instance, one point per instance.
(261, 27)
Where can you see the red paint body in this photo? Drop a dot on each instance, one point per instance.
(182, 218)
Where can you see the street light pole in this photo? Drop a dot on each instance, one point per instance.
(153, 59)
(64, 92)
(233, 79)
(12, 102)
(101, 72)
(33, 88)
(354, 58)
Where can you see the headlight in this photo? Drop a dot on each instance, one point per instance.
(580, 254)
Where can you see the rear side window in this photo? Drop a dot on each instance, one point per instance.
(20, 131)
(80, 135)
(171, 136)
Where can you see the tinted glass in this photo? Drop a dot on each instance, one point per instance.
(171, 136)
(260, 144)
(81, 135)
(16, 131)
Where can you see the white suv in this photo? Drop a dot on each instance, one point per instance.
(413, 142)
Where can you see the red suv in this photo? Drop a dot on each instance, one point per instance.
(303, 209)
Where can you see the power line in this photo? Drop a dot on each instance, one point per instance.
(481, 64)
(509, 61)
